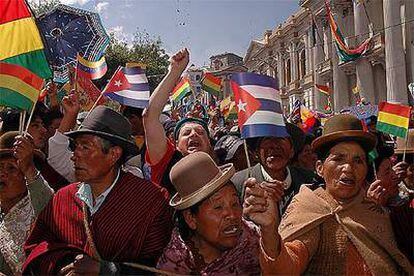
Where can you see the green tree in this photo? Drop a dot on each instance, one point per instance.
(41, 6)
(145, 49)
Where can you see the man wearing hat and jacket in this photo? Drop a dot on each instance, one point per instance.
(274, 155)
(109, 217)
(190, 134)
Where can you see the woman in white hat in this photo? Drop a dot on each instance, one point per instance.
(211, 238)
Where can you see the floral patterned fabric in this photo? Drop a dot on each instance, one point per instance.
(241, 260)
(14, 229)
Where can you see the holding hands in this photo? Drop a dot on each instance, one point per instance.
(261, 202)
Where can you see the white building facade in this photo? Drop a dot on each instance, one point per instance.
(301, 53)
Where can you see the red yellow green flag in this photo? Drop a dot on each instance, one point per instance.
(393, 119)
(20, 38)
(19, 87)
(323, 89)
(181, 90)
(211, 84)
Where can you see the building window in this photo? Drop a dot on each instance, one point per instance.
(288, 72)
(308, 98)
(302, 64)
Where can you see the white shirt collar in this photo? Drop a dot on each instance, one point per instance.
(287, 181)
(84, 193)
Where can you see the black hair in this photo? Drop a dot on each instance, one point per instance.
(129, 111)
(185, 231)
(52, 115)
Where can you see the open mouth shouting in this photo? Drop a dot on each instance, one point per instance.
(194, 145)
(347, 181)
(232, 230)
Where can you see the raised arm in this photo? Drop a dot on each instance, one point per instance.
(156, 140)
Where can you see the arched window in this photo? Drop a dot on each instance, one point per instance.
(302, 64)
(288, 75)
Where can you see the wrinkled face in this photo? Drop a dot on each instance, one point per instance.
(38, 131)
(389, 179)
(218, 221)
(275, 153)
(192, 138)
(307, 158)
(12, 182)
(344, 170)
(91, 163)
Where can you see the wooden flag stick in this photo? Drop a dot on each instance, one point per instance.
(375, 170)
(246, 151)
(21, 122)
(30, 119)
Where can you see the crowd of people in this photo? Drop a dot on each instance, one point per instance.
(147, 191)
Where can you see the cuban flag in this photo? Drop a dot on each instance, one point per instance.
(259, 107)
(136, 93)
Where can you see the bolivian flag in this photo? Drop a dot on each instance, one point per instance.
(393, 119)
(211, 84)
(19, 87)
(181, 90)
(20, 38)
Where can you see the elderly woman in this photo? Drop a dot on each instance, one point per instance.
(211, 238)
(331, 230)
(23, 194)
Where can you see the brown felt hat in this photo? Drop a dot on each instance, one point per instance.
(341, 128)
(7, 144)
(196, 177)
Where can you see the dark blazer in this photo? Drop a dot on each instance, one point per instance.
(299, 176)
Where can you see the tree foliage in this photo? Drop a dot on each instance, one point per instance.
(144, 49)
(41, 6)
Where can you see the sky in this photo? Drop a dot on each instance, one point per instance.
(205, 27)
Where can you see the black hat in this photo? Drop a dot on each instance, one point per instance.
(110, 125)
(226, 147)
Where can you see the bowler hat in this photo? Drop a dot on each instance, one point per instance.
(196, 177)
(110, 125)
(226, 147)
(341, 128)
(7, 144)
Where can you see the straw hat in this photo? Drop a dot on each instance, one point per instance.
(341, 128)
(410, 143)
(196, 177)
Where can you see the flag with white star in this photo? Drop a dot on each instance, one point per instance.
(259, 106)
(129, 86)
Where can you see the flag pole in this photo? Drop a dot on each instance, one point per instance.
(246, 151)
(21, 122)
(30, 119)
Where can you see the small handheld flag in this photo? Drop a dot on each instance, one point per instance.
(393, 119)
(19, 87)
(181, 90)
(211, 84)
(129, 86)
(118, 82)
(94, 69)
(259, 105)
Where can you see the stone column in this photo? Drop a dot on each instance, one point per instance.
(365, 76)
(280, 70)
(340, 82)
(309, 55)
(305, 42)
(394, 53)
(409, 39)
(327, 41)
(318, 57)
(293, 67)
